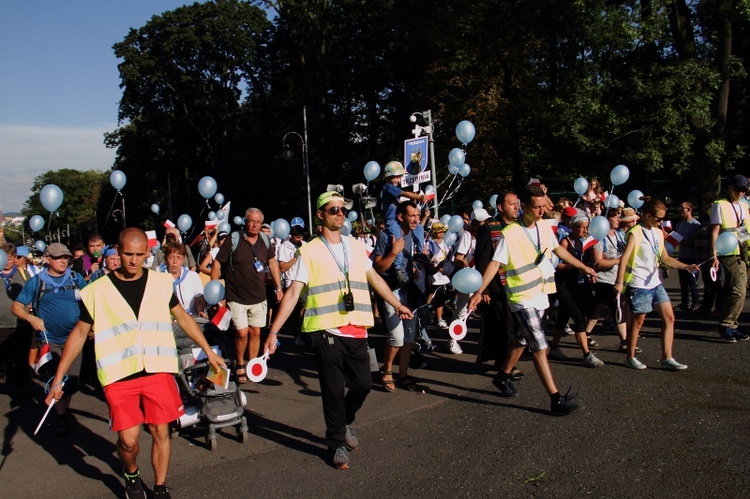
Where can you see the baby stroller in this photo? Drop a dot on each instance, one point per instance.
(209, 407)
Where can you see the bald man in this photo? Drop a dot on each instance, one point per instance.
(136, 357)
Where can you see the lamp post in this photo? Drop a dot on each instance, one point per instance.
(289, 154)
(428, 129)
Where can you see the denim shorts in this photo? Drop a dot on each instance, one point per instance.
(642, 301)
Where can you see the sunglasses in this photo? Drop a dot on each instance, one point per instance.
(334, 210)
(657, 219)
(59, 257)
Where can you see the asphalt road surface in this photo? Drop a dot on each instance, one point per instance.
(651, 433)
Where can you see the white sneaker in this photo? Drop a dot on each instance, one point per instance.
(454, 347)
(568, 330)
(590, 360)
(442, 324)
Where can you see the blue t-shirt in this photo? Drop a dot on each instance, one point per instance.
(389, 200)
(59, 310)
(384, 244)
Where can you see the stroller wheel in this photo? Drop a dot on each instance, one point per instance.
(211, 443)
(243, 436)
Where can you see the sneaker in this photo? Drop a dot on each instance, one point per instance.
(454, 347)
(516, 374)
(567, 330)
(341, 458)
(727, 334)
(672, 365)
(565, 405)
(506, 387)
(161, 492)
(429, 347)
(592, 343)
(623, 348)
(352, 442)
(739, 336)
(554, 353)
(442, 324)
(634, 363)
(590, 360)
(134, 485)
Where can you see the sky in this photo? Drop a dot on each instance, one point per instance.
(59, 85)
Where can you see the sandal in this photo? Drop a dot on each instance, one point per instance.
(388, 384)
(408, 384)
(240, 374)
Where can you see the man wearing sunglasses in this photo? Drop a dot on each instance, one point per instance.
(730, 215)
(54, 294)
(334, 272)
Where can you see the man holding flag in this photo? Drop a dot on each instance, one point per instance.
(54, 294)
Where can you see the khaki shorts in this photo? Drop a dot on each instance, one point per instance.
(244, 316)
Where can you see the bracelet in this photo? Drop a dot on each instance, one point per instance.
(279, 289)
(48, 388)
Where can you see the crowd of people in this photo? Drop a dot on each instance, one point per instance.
(125, 311)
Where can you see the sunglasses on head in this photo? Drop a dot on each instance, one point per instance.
(334, 210)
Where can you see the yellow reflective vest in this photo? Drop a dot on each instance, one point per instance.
(523, 278)
(637, 257)
(125, 344)
(326, 285)
(730, 219)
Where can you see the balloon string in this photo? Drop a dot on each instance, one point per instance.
(111, 207)
(192, 229)
(447, 190)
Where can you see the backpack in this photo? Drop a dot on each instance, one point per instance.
(236, 242)
(42, 289)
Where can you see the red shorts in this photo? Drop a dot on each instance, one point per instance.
(151, 399)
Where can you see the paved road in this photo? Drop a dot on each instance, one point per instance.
(642, 433)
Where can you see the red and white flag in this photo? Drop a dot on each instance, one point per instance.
(210, 224)
(152, 241)
(168, 224)
(222, 318)
(44, 356)
(587, 244)
(674, 238)
(225, 209)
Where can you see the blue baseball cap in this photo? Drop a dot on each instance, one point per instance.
(22, 250)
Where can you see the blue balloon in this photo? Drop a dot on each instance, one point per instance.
(635, 199)
(184, 223)
(117, 178)
(726, 243)
(213, 292)
(352, 216)
(155, 208)
(281, 228)
(40, 246)
(612, 201)
(3, 259)
(464, 170)
(599, 228)
(224, 227)
(467, 280)
(429, 189)
(619, 175)
(219, 198)
(445, 219)
(493, 201)
(51, 197)
(452, 169)
(456, 223)
(372, 170)
(450, 238)
(212, 215)
(477, 205)
(238, 220)
(346, 229)
(221, 214)
(457, 156)
(465, 131)
(581, 185)
(36, 223)
(207, 187)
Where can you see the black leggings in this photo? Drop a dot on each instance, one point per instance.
(576, 301)
(606, 294)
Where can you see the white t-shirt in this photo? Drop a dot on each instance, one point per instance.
(285, 253)
(466, 245)
(539, 302)
(646, 276)
(188, 289)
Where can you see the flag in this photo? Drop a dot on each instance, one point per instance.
(587, 244)
(222, 318)
(210, 224)
(169, 224)
(225, 209)
(44, 356)
(152, 241)
(674, 238)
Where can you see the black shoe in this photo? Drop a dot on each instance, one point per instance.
(564, 405)
(134, 485)
(65, 423)
(161, 492)
(727, 333)
(739, 336)
(516, 374)
(506, 387)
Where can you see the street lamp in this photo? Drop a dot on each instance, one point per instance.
(428, 129)
(288, 155)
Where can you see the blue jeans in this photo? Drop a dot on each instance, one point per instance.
(642, 301)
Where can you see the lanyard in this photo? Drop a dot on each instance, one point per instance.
(654, 245)
(538, 244)
(736, 215)
(343, 268)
